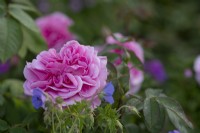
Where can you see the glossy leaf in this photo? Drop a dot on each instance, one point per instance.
(154, 115)
(136, 101)
(176, 114)
(152, 93)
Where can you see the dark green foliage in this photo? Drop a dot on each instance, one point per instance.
(14, 39)
(74, 118)
(108, 119)
(11, 34)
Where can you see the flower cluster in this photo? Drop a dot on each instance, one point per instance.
(74, 73)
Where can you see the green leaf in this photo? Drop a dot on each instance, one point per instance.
(154, 115)
(24, 7)
(3, 125)
(178, 122)
(15, 86)
(10, 38)
(23, 18)
(176, 114)
(17, 130)
(2, 8)
(23, 50)
(23, 2)
(136, 101)
(132, 128)
(33, 41)
(152, 93)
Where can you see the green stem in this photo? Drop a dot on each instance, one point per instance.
(59, 122)
(52, 119)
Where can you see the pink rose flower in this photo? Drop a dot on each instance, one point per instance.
(129, 45)
(197, 69)
(136, 79)
(136, 75)
(74, 73)
(55, 29)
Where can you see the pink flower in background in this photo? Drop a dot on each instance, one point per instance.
(136, 79)
(74, 73)
(136, 75)
(55, 29)
(112, 40)
(197, 69)
(129, 45)
(188, 73)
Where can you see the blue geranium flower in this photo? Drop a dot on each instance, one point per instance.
(108, 93)
(174, 131)
(38, 98)
(156, 69)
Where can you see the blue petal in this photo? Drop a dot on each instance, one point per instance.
(37, 102)
(109, 89)
(109, 99)
(37, 92)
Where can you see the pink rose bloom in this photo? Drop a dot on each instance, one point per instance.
(197, 69)
(55, 29)
(130, 45)
(136, 79)
(74, 73)
(136, 75)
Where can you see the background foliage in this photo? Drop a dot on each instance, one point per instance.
(167, 30)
